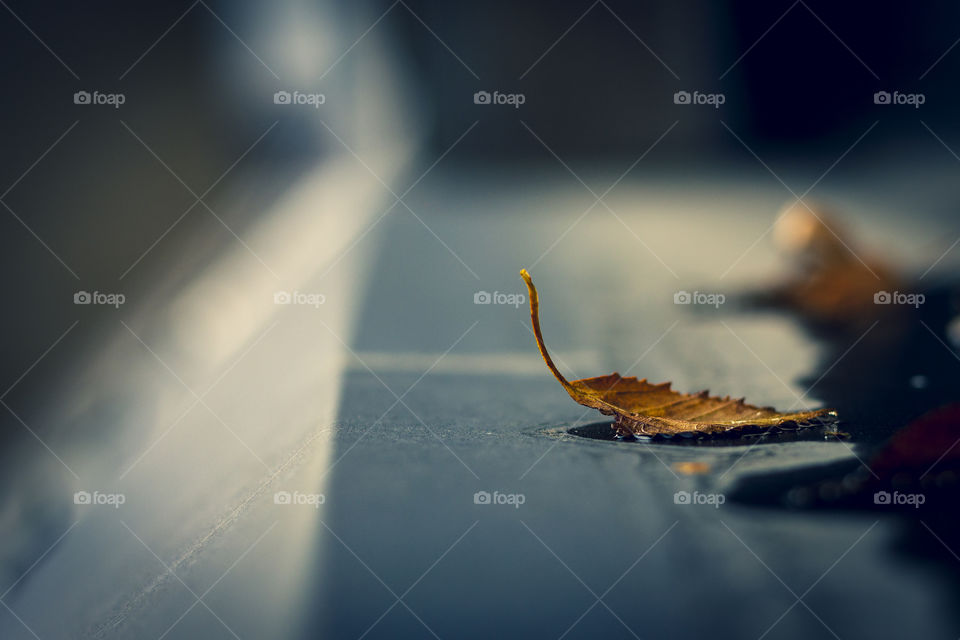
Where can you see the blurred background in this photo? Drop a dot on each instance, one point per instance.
(255, 223)
(86, 198)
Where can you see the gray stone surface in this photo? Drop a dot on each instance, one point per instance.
(400, 399)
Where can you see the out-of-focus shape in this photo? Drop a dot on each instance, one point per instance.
(834, 280)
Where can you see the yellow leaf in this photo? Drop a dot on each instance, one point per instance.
(642, 408)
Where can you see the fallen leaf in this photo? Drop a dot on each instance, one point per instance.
(642, 408)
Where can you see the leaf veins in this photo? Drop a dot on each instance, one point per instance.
(642, 408)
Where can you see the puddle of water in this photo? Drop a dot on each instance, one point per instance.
(603, 431)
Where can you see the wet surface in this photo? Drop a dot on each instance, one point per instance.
(610, 540)
(604, 431)
(600, 511)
